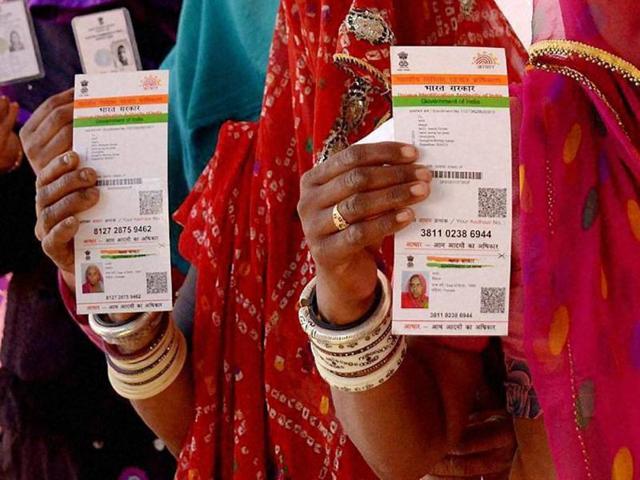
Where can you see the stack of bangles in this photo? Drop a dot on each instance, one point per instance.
(361, 356)
(144, 354)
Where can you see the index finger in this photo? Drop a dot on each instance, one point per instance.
(371, 154)
(56, 168)
(46, 108)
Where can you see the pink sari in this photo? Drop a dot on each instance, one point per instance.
(580, 214)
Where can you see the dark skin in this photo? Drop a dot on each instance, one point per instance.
(9, 142)
(427, 403)
(437, 433)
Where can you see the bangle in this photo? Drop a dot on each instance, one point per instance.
(130, 335)
(359, 358)
(346, 338)
(374, 378)
(140, 354)
(139, 380)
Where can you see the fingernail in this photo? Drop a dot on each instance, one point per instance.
(409, 152)
(419, 189)
(66, 159)
(86, 175)
(423, 174)
(404, 216)
(69, 222)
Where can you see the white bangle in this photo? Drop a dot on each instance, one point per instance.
(137, 380)
(370, 380)
(360, 358)
(348, 339)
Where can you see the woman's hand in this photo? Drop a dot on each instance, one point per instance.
(49, 131)
(373, 186)
(63, 191)
(9, 142)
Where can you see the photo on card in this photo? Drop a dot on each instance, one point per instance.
(122, 57)
(15, 41)
(415, 290)
(92, 278)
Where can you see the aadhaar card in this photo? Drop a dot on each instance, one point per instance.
(452, 265)
(20, 59)
(122, 248)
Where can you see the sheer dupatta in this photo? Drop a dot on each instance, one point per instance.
(580, 212)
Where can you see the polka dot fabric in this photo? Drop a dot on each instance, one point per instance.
(262, 411)
(580, 177)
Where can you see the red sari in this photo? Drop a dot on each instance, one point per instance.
(262, 410)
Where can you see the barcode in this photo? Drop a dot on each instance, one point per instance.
(157, 283)
(118, 182)
(457, 175)
(150, 202)
(493, 300)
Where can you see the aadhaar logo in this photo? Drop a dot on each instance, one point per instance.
(151, 82)
(486, 60)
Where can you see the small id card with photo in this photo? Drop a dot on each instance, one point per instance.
(106, 42)
(20, 59)
(453, 264)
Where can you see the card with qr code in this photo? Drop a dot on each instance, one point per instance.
(122, 247)
(453, 263)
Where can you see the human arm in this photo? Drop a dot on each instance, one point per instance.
(406, 427)
(63, 191)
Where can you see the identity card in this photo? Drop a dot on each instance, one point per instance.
(452, 265)
(122, 248)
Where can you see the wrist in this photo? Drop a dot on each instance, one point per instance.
(341, 306)
(69, 280)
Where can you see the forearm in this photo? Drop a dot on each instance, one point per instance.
(170, 413)
(408, 424)
(398, 429)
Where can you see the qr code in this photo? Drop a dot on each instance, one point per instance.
(493, 300)
(492, 202)
(157, 283)
(151, 202)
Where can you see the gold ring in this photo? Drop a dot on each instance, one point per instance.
(338, 220)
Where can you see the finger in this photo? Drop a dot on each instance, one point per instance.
(494, 462)
(61, 142)
(57, 244)
(385, 153)
(8, 116)
(56, 168)
(487, 436)
(65, 185)
(43, 111)
(362, 206)
(365, 179)
(70, 205)
(57, 118)
(341, 245)
(4, 106)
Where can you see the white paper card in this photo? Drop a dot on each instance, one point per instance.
(19, 53)
(452, 266)
(106, 42)
(122, 252)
